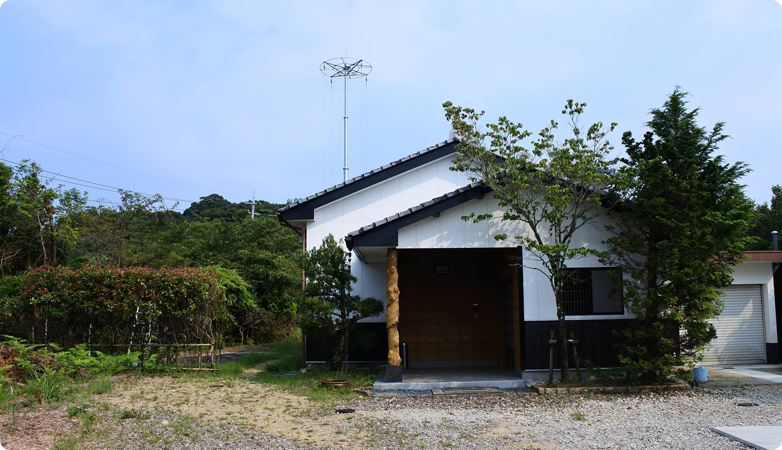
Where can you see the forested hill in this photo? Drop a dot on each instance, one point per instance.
(214, 206)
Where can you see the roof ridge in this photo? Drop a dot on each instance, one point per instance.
(370, 173)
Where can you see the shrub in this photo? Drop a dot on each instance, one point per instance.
(108, 305)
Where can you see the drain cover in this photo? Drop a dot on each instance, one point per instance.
(344, 411)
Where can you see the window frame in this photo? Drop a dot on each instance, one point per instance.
(589, 292)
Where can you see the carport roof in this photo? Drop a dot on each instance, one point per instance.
(764, 256)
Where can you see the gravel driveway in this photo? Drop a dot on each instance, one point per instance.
(665, 421)
(510, 421)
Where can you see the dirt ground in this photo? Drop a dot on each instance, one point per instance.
(35, 429)
(196, 413)
(240, 403)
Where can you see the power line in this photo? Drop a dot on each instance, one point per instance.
(94, 185)
(18, 137)
(105, 201)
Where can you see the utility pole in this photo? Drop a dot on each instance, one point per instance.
(346, 68)
(252, 212)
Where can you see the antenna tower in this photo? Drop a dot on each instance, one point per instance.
(346, 68)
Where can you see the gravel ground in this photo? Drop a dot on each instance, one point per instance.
(510, 421)
(664, 421)
(161, 430)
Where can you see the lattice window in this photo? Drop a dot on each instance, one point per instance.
(592, 291)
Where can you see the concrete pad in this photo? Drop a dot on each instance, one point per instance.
(467, 391)
(428, 379)
(761, 438)
(743, 375)
(430, 385)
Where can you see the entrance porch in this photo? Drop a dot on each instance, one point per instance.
(459, 321)
(426, 379)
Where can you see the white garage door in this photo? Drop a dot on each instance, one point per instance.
(740, 333)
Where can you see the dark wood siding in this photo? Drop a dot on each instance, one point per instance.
(367, 343)
(455, 316)
(597, 341)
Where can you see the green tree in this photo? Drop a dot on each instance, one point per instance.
(214, 206)
(768, 218)
(27, 232)
(556, 188)
(685, 226)
(260, 250)
(329, 309)
(124, 235)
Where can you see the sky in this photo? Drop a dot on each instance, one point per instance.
(190, 98)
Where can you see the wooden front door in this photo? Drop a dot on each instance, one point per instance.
(451, 307)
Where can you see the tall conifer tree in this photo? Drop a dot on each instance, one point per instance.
(686, 223)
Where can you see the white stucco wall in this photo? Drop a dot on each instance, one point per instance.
(761, 273)
(450, 231)
(376, 203)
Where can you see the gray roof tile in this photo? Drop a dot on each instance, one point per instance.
(367, 174)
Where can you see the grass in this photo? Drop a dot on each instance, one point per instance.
(283, 356)
(133, 414)
(280, 371)
(102, 386)
(578, 416)
(68, 443)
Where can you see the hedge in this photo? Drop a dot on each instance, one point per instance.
(108, 305)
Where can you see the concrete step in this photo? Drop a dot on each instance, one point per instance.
(431, 385)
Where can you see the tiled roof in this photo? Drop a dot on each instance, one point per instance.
(368, 174)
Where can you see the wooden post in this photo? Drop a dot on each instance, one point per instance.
(551, 343)
(392, 308)
(516, 322)
(575, 355)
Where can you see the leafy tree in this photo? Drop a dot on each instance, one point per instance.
(329, 310)
(8, 212)
(261, 251)
(27, 233)
(214, 206)
(768, 218)
(686, 222)
(123, 235)
(556, 188)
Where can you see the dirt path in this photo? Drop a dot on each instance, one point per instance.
(240, 402)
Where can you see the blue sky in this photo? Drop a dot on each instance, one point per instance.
(227, 96)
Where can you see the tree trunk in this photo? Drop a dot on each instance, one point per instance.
(54, 240)
(339, 352)
(41, 239)
(564, 366)
(392, 308)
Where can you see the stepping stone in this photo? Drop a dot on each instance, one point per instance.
(761, 438)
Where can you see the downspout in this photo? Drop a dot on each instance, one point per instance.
(775, 246)
(303, 233)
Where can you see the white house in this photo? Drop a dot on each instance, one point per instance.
(463, 301)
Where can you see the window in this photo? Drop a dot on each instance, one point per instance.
(592, 291)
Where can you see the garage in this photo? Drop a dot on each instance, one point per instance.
(740, 331)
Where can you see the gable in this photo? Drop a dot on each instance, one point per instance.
(384, 233)
(305, 209)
